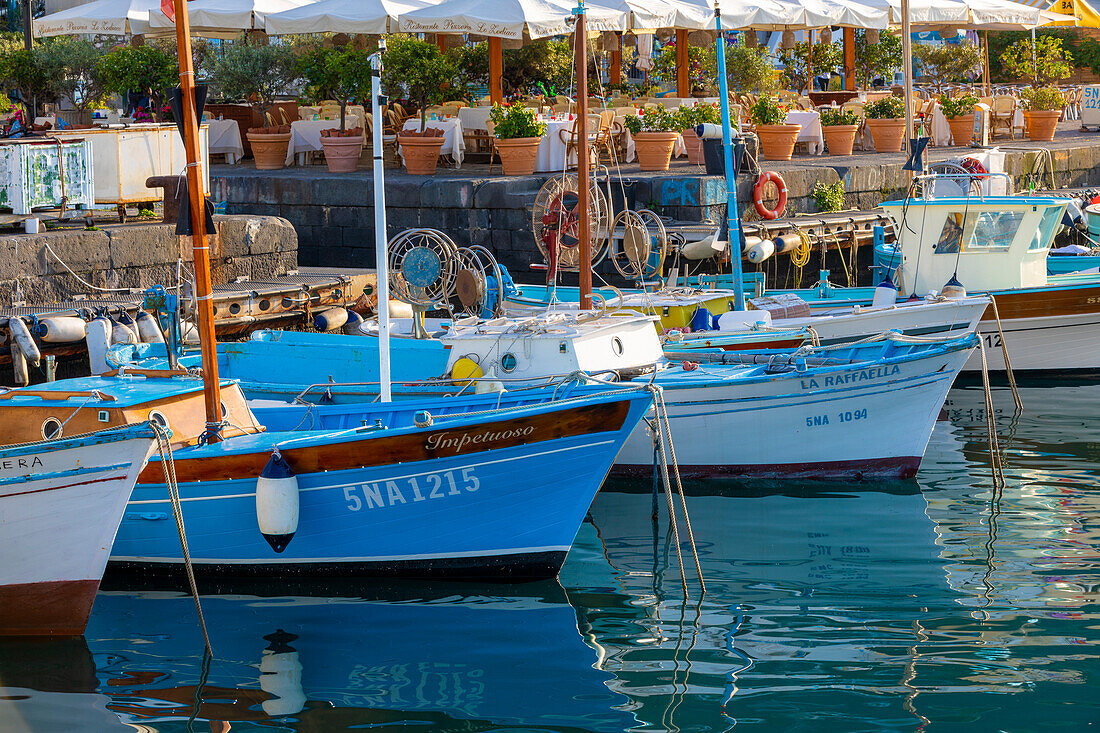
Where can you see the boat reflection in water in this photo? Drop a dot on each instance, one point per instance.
(488, 656)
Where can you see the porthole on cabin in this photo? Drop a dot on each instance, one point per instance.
(265, 304)
(52, 428)
(616, 346)
(508, 362)
(234, 308)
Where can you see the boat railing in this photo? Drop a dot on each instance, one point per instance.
(927, 181)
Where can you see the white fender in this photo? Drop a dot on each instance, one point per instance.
(189, 332)
(21, 336)
(61, 329)
(351, 328)
(886, 294)
(330, 319)
(761, 251)
(281, 677)
(277, 502)
(19, 365)
(122, 334)
(148, 329)
(98, 334)
(489, 383)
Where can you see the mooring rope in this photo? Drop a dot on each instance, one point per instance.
(168, 465)
(1004, 353)
(991, 425)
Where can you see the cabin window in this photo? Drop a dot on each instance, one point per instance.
(985, 231)
(1051, 220)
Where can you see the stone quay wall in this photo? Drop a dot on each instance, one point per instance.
(137, 255)
(334, 214)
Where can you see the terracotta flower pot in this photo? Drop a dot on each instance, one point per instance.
(518, 155)
(654, 149)
(694, 146)
(269, 149)
(840, 139)
(962, 129)
(342, 153)
(1041, 123)
(420, 153)
(887, 134)
(777, 141)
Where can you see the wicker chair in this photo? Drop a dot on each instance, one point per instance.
(1004, 109)
(571, 138)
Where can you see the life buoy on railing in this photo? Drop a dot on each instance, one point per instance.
(758, 195)
(975, 168)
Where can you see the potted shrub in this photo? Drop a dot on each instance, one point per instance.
(886, 121)
(420, 68)
(1042, 110)
(518, 134)
(688, 118)
(777, 138)
(960, 117)
(344, 74)
(840, 128)
(258, 74)
(654, 131)
(1044, 61)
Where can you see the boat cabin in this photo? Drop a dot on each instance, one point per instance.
(986, 243)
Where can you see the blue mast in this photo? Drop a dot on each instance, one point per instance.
(733, 220)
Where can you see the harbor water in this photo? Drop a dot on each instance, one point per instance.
(940, 604)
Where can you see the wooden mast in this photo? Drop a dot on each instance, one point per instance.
(584, 232)
(199, 242)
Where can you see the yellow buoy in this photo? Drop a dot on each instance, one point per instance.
(465, 371)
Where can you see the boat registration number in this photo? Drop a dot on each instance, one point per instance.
(423, 487)
(815, 421)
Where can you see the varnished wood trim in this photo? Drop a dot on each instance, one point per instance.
(354, 451)
(1042, 303)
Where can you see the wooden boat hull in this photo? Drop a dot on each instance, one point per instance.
(60, 506)
(485, 495)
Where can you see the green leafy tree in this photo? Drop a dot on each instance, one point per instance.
(948, 62)
(257, 74)
(702, 66)
(343, 74)
(805, 59)
(419, 68)
(139, 69)
(879, 59)
(750, 69)
(21, 69)
(1045, 61)
(74, 64)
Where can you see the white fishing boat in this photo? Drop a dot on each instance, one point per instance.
(61, 502)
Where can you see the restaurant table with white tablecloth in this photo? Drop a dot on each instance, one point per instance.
(474, 118)
(453, 143)
(305, 136)
(811, 129)
(225, 138)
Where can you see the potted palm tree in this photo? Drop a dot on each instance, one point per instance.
(344, 74)
(258, 74)
(688, 118)
(839, 128)
(960, 117)
(777, 138)
(886, 121)
(654, 131)
(426, 73)
(518, 134)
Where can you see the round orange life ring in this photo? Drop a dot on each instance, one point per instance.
(758, 195)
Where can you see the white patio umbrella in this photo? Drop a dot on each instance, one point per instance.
(508, 18)
(341, 16)
(649, 15)
(110, 17)
(224, 17)
(1006, 15)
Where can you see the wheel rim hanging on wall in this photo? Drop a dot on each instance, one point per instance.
(555, 221)
(639, 253)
